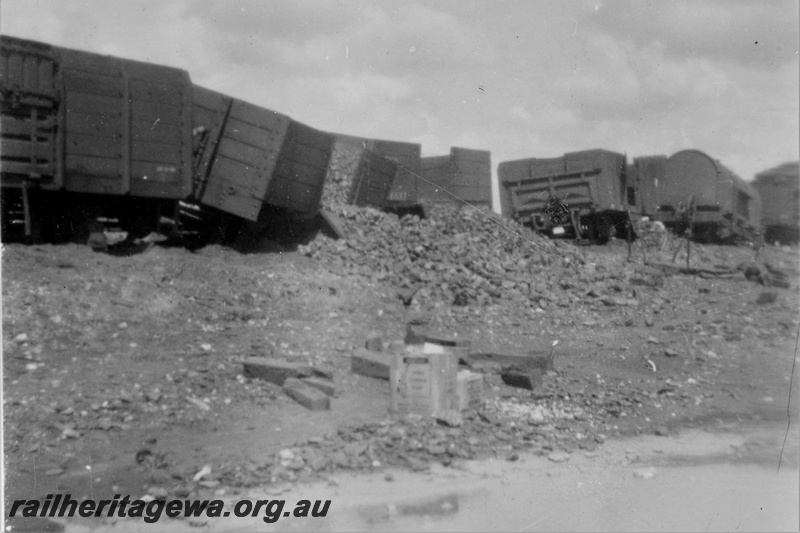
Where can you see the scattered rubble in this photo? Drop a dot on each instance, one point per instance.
(530, 380)
(558, 456)
(451, 418)
(344, 161)
(644, 473)
(191, 322)
(766, 298)
(374, 344)
(460, 256)
(766, 274)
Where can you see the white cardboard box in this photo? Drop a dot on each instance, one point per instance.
(423, 383)
(469, 389)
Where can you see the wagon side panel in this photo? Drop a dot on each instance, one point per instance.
(407, 155)
(96, 139)
(648, 175)
(435, 179)
(471, 175)
(237, 154)
(509, 175)
(160, 130)
(374, 179)
(301, 169)
(127, 126)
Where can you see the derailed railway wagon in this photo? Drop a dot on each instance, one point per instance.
(88, 138)
(374, 172)
(647, 175)
(463, 176)
(253, 163)
(412, 181)
(374, 177)
(82, 131)
(726, 208)
(591, 185)
(779, 189)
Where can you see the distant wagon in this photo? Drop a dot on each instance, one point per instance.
(373, 165)
(647, 173)
(726, 208)
(779, 189)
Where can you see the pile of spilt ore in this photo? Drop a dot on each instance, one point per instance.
(458, 255)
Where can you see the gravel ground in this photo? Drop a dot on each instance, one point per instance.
(124, 374)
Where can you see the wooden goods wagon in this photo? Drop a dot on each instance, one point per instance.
(647, 176)
(405, 155)
(374, 179)
(726, 207)
(464, 176)
(93, 127)
(88, 137)
(471, 175)
(592, 185)
(248, 156)
(779, 189)
(435, 177)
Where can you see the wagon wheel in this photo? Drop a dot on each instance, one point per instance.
(604, 230)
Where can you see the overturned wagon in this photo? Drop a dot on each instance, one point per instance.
(90, 138)
(580, 194)
(367, 171)
(254, 163)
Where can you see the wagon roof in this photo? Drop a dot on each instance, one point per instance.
(721, 169)
(9, 40)
(785, 174)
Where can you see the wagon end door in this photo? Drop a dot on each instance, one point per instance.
(30, 147)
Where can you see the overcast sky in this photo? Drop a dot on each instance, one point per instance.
(519, 78)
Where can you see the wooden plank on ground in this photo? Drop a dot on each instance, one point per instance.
(533, 360)
(275, 370)
(371, 364)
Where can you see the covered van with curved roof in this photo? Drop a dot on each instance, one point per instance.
(725, 203)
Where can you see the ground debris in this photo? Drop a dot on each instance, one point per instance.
(189, 317)
(450, 418)
(558, 456)
(766, 298)
(426, 256)
(516, 377)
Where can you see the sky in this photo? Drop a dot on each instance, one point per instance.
(519, 78)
